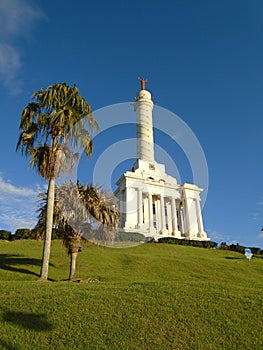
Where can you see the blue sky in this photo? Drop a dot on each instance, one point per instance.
(203, 60)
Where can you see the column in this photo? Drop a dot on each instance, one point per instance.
(150, 211)
(163, 221)
(186, 218)
(145, 200)
(122, 207)
(140, 204)
(201, 232)
(144, 128)
(180, 218)
(175, 232)
(129, 208)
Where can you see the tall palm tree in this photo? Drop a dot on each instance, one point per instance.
(45, 126)
(77, 208)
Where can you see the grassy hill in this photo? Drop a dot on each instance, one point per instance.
(153, 296)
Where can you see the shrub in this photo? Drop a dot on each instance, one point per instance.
(224, 246)
(5, 235)
(237, 248)
(57, 234)
(39, 234)
(255, 250)
(23, 233)
(187, 242)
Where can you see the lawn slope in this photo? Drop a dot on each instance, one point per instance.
(152, 296)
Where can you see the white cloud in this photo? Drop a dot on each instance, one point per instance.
(12, 221)
(216, 236)
(257, 213)
(16, 19)
(9, 189)
(254, 215)
(219, 237)
(260, 235)
(18, 205)
(9, 61)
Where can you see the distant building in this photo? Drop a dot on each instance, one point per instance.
(152, 202)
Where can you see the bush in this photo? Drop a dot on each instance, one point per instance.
(57, 234)
(255, 250)
(23, 233)
(39, 234)
(187, 242)
(224, 246)
(5, 235)
(237, 248)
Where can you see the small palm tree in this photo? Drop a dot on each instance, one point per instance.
(56, 112)
(76, 209)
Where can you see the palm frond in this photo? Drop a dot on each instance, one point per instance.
(75, 206)
(46, 123)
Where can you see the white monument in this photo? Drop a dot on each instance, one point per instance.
(152, 202)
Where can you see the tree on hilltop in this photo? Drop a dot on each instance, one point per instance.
(44, 127)
(76, 208)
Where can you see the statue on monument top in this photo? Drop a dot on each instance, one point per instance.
(143, 82)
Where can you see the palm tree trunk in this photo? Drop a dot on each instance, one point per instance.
(49, 226)
(73, 260)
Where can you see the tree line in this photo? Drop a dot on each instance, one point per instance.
(240, 248)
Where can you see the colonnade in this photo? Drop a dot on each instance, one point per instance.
(160, 213)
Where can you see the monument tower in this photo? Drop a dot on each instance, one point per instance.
(152, 202)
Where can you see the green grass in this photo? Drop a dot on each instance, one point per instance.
(152, 296)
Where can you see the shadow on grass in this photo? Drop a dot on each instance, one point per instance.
(36, 322)
(11, 262)
(7, 346)
(234, 258)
